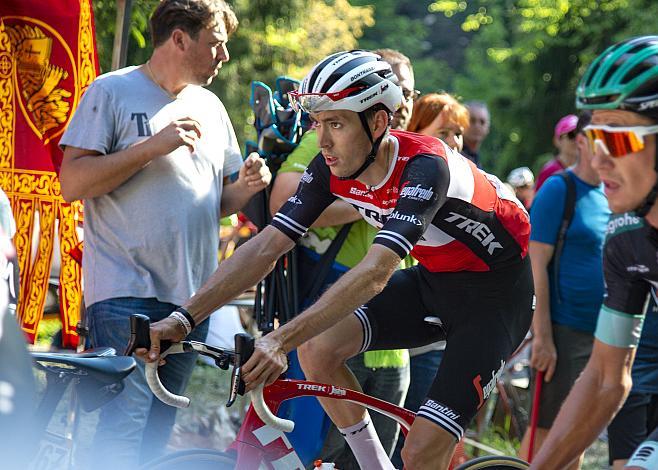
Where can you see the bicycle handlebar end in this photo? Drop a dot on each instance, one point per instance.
(264, 413)
(160, 391)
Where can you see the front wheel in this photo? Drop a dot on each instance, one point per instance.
(494, 462)
(193, 459)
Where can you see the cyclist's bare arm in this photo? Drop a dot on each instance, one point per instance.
(254, 176)
(544, 355)
(249, 264)
(87, 173)
(594, 399)
(339, 212)
(353, 289)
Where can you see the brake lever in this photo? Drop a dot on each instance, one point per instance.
(140, 337)
(244, 348)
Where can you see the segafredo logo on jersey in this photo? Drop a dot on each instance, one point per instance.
(417, 193)
(480, 231)
(411, 218)
(483, 393)
(307, 177)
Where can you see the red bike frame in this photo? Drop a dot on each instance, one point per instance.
(257, 442)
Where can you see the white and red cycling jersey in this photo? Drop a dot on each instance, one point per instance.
(433, 203)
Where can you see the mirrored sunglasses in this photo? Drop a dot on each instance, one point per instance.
(310, 102)
(619, 141)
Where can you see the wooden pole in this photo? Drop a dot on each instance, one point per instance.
(121, 31)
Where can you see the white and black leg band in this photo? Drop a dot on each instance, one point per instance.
(645, 456)
(442, 416)
(367, 329)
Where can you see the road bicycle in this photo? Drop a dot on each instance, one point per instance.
(261, 441)
(95, 377)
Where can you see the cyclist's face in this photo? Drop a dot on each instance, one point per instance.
(342, 140)
(447, 130)
(206, 54)
(627, 179)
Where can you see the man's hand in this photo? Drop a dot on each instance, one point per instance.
(255, 173)
(266, 364)
(166, 329)
(185, 131)
(543, 356)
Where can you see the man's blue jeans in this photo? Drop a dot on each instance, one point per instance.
(135, 426)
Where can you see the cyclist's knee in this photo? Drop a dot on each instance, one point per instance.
(316, 358)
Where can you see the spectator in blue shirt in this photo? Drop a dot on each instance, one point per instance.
(567, 303)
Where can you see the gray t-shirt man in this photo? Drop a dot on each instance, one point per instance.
(157, 234)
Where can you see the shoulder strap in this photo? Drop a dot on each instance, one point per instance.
(567, 217)
(324, 263)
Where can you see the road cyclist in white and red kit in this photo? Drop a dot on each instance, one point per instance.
(472, 286)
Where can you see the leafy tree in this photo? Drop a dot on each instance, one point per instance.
(275, 37)
(525, 60)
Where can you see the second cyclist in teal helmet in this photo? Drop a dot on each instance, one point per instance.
(621, 88)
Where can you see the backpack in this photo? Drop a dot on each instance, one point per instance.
(567, 217)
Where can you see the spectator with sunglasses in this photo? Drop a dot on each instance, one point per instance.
(621, 89)
(569, 293)
(564, 139)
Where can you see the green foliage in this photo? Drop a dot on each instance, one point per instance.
(525, 59)
(282, 37)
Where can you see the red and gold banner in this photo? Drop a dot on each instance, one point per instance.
(47, 61)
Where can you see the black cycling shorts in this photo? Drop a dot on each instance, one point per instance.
(484, 316)
(631, 425)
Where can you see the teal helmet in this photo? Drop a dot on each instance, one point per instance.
(624, 76)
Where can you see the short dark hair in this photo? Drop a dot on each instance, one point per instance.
(369, 113)
(190, 16)
(584, 118)
(394, 58)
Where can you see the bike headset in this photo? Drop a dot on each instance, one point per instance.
(625, 77)
(373, 82)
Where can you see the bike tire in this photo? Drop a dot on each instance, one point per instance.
(193, 459)
(494, 462)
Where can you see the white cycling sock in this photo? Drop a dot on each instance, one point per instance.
(366, 446)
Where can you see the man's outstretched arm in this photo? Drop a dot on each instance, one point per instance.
(593, 401)
(353, 289)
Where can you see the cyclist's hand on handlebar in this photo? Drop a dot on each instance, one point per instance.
(255, 173)
(544, 356)
(266, 364)
(185, 131)
(166, 329)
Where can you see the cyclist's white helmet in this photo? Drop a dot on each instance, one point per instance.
(349, 80)
(520, 177)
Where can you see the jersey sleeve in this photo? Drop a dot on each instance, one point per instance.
(312, 197)
(547, 211)
(93, 123)
(622, 313)
(423, 190)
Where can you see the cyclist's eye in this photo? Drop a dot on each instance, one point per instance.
(335, 125)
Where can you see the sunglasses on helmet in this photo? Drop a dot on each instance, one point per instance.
(310, 102)
(619, 141)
